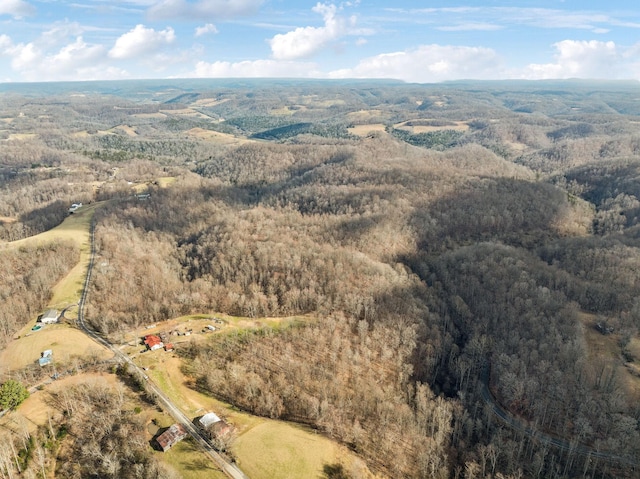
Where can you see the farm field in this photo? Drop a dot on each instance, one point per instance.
(274, 449)
(64, 340)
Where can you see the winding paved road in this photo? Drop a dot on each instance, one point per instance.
(518, 424)
(230, 469)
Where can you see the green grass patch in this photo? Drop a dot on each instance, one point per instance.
(190, 462)
(76, 228)
(278, 449)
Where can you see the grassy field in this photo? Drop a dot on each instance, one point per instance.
(75, 228)
(415, 126)
(605, 349)
(277, 449)
(190, 462)
(364, 130)
(217, 137)
(21, 136)
(64, 340)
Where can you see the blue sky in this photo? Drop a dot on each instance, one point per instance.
(411, 40)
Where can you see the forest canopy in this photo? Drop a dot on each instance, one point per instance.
(454, 249)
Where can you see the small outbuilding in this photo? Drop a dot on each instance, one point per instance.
(74, 207)
(171, 436)
(46, 357)
(49, 317)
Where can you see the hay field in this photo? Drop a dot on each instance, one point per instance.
(216, 137)
(210, 102)
(286, 451)
(364, 130)
(64, 340)
(605, 350)
(426, 126)
(157, 115)
(21, 136)
(75, 228)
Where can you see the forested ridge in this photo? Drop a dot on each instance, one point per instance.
(473, 234)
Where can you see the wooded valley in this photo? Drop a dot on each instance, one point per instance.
(454, 249)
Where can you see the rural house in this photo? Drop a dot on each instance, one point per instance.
(49, 317)
(208, 419)
(153, 342)
(213, 426)
(171, 436)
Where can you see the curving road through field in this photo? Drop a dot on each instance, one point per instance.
(230, 469)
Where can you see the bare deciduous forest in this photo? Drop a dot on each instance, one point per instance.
(456, 248)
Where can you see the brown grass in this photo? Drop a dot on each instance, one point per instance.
(36, 410)
(21, 136)
(279, 449)
(417, 128)
(64, 340)
(606, 349)
(216, 137)
(149, 115)
(129, 130)
(210, 102)
(364, 130)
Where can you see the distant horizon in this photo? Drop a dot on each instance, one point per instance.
(96, 40)
(301, 80)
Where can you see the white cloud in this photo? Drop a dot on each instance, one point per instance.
(141, 41)
(428, 63)
(548, 18)
(5, 43)
(16, 8)
(203, 9)
(256, 69)
(579, 59)
(60, 32)
(205, 29)
(305, 41)
(472, 26)
(74, 61)
(25, 57)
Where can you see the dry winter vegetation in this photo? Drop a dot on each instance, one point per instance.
(439, 239)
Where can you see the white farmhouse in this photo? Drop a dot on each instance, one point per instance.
(50, 317)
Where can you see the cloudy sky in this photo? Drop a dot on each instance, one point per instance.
(411, 40)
